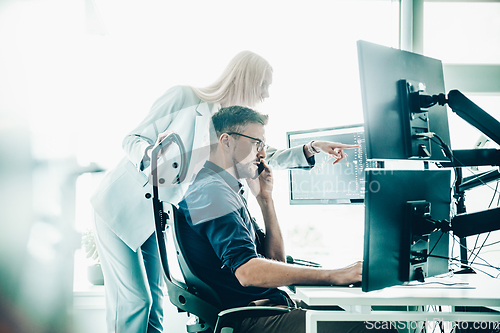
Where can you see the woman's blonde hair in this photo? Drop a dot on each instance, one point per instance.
(240, 82)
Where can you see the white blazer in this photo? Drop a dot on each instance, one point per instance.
(123, 199)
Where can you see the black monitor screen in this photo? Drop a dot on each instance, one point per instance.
(342, 183)
(393, 122)
(395, 248)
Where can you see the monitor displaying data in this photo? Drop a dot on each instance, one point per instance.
(342, 183)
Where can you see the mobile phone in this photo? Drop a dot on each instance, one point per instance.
(260, 168)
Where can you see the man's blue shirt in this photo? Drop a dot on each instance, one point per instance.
(219, 236)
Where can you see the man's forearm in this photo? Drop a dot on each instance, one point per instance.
(274, 245)
(259, 272)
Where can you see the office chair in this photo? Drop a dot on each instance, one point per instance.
(190, 294)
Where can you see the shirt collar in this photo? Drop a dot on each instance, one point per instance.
(226, 176)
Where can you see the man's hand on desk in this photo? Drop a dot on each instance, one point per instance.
(347, 275)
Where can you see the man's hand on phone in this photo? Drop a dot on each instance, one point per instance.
(262, 185)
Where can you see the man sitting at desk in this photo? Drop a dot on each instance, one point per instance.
(227, 249)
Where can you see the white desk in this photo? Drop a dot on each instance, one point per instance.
(358, 306)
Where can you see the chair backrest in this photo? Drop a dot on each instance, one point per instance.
(193, 282)
(190, 295)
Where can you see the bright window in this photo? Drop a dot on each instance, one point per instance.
(466, 36)
(462, 32)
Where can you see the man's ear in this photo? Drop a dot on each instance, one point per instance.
(225, 141)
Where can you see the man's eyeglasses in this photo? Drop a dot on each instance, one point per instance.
(260, 144)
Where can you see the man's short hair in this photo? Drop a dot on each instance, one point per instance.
(235, 118)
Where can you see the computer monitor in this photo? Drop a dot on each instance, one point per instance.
(342, 183)
(395, 123)
(399, 243)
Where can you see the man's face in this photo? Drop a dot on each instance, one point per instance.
(245, 155)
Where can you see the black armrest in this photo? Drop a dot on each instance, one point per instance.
(253, 311)
(233, 317)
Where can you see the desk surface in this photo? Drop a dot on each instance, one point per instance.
(480, 291)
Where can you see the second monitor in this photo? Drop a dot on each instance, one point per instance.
(342, 183)
(404, 214)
